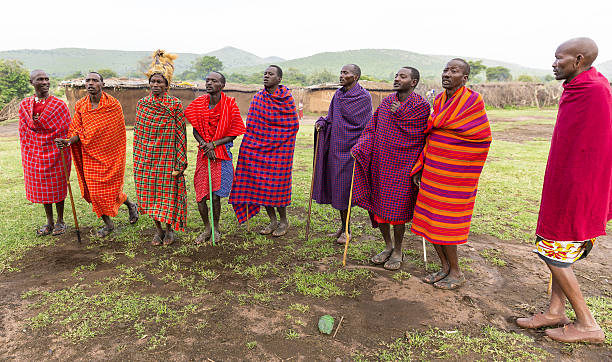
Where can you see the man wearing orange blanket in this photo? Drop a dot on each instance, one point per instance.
(97, 137)
(448, 170)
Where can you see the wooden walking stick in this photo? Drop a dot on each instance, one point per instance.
(76, 222)
(314, 169)
(424, 253)
(549, 284)
(248, 224)
(210, 196)
(348, 215)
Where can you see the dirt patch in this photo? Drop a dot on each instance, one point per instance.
(230, 323)
(9, 129)
(525, 133)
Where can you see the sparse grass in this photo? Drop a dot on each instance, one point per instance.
(490, 345)
(401, 275)
(115, 290)
(324, 285)
(601, 307)
(493, 256)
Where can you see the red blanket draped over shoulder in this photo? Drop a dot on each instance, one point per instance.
(577, 193)
(230, 124)
(456, 149)
(265, 161)
(99, 157)
(43, 174)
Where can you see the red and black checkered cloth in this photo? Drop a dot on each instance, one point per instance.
(265, 161)
(43, 172)
(385, 153)
(348, 114)
(160, 146)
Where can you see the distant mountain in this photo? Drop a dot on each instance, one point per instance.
(606, 69)
(379, 63)
(63, 61)
(382, 63)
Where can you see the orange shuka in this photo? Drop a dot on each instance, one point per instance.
(99, 158)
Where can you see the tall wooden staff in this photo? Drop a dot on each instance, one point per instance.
(348, 215)
(76, 222)
(314, 169)
(212, 220)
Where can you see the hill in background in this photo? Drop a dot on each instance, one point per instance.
(382, 63)
(379, 63)
(64, 61)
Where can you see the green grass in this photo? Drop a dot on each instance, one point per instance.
(118, 289)
(433, 344)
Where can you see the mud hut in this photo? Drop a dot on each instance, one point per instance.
(129, 91)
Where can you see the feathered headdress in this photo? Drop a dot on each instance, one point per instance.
(163, 63)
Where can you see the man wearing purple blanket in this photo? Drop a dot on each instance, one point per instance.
(349, 112)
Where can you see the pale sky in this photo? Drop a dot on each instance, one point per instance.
(525, 32)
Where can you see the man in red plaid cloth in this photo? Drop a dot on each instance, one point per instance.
(385, 154)
(265, 161)
(160, 153)
(42, 119)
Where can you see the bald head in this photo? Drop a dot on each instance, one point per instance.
(36, 72)
(574, 57)
(584, 47)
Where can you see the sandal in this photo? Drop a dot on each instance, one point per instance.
(157, 240)
(569, 334)
(381, 257)
(539, 321)
(269, 229)
(394, 263)
(203, 237)
(449, 283)
(342, 238)
(104, 231)
(170, 238)
(133, 212)
(281, 229)
(59, 229)
(434, 277)
(44, 230)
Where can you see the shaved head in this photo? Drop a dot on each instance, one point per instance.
(35, 72)
(584, 47)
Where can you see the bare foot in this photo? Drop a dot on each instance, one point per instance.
(572, 333)
(542, 320)
(202, 238)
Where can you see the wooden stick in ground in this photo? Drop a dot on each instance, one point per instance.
(248, 224)
(339, 323)
(314, 169)
(76, 222)
(210, 196)
(424, 253)
(348, 216)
